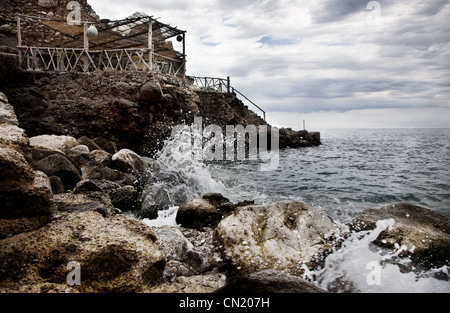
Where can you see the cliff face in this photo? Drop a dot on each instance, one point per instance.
(135, 110)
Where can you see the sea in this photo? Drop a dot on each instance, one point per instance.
(353, 170)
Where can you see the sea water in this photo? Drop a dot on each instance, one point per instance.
(354, 169)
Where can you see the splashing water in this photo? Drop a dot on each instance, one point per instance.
(359, 266)
(176, 177)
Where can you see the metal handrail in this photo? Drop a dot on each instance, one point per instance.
(215, 84)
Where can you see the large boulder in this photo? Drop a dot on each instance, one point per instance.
(423, 235)
(26, 208)
(59, 165)
(53, 142)
(151, 91)
(97, 171)
(115, 254)
(198, 213)
(129, 162)
(7, 113)
(205, 212)
(269, 282)
(85, 141)
(26, 199)
(281, 236)
(79, 154)
(13, 137)
(15, 171)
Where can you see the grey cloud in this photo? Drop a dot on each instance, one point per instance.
(332, 10)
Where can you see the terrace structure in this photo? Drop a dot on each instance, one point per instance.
(137, 43)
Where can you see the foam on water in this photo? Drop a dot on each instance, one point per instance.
(359, 266)
(165, 218)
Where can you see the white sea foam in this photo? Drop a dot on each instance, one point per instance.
(165, 218)
(359, 266)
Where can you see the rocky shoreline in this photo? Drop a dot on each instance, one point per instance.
(67, 199)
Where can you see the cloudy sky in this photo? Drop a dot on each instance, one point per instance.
(333, 63)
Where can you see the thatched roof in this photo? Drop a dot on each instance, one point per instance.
(131, 32)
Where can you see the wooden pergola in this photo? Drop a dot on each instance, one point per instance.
(137, 43)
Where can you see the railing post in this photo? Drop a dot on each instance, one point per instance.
(86, 48)
(150, 42)
(19, 32)
(228, 84)
(19, 40)
(184, 56)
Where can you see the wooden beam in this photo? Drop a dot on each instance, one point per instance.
(150, 43)
(19, 32)
(85, 37)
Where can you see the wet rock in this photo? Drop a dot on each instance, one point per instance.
(124, 198)
(95, 171)
(172, 243)
(269, 282)
(198, 213)
(59, 165)
(424, 234)
(280, 236)
(128, 161)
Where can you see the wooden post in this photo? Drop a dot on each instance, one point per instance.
(19, 40)
(150, 42)
(86, 48)
(228, 84)
(184, 55)
(85, 37)
(19, 32)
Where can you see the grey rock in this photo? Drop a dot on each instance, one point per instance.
(89, 143)
(425, 234)
(59, 165)
(151, 91)
(269, 282)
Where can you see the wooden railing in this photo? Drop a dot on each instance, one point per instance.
(82, 60)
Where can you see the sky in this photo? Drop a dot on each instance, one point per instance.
(332, 63)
